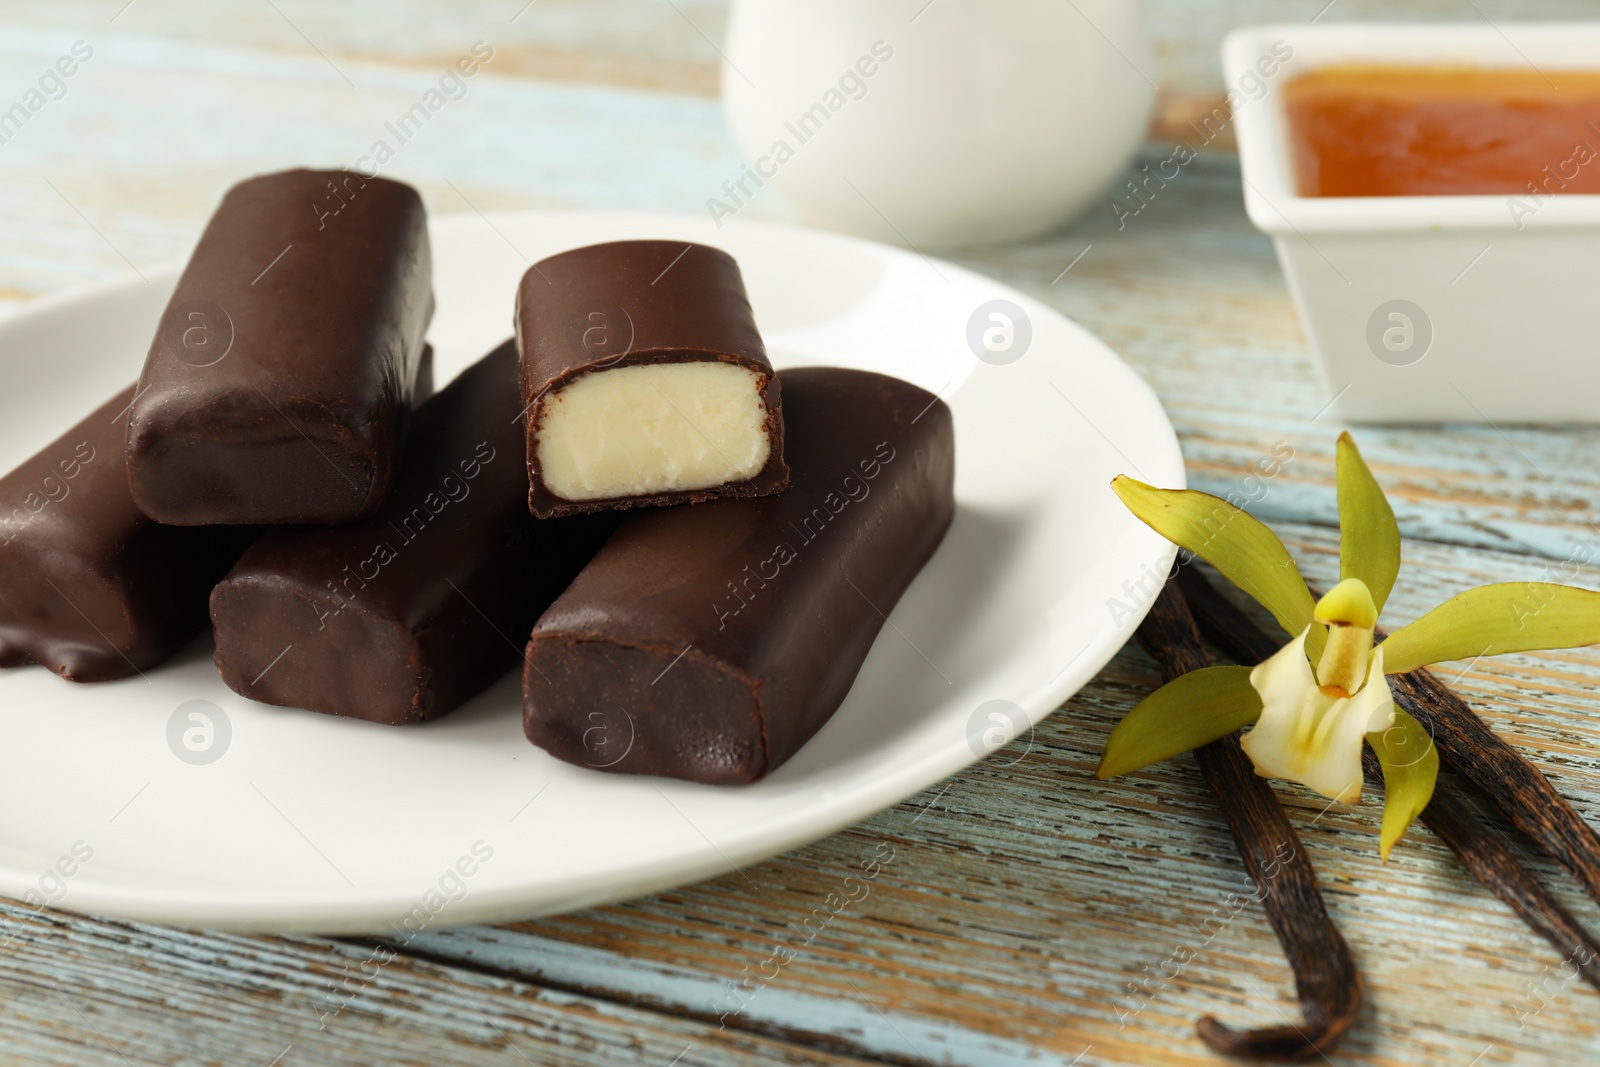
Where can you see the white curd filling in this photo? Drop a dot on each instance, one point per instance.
(654, 428)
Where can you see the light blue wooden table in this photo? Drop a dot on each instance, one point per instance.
(1028, 913)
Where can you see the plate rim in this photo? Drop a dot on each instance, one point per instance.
(359, 912)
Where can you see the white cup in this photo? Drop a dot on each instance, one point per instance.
(955, 122)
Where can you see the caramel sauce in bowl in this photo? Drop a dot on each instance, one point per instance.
(1376, 130)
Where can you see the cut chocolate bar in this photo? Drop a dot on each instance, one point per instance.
(711, 642)
(90, 587)
(645, 380)
(281, 377)
(405, 616)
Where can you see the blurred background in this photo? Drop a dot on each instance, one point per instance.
(584, 103)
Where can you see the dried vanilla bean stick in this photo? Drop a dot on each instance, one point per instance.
(1325, 976)
(1515, 786)
(1483, 850)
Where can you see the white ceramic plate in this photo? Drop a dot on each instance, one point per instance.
(306, 822)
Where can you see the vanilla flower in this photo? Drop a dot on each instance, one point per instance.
(1313, 704)
(1312, 726)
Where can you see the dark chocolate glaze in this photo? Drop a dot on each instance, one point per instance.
(279, 383)
(711, 642)
(636, 302)
(405, 616)
(90, 587)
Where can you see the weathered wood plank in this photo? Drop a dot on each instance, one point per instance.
(648, 44)
(1190, 294)
(72, 217)
(93, 992)
(635, 43)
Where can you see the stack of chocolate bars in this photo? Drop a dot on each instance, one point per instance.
(701, 549)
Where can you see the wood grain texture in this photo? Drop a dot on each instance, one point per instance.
(650, 44)
(1524, 796)
(1029, 914)
(89, 991)
(1190, 294)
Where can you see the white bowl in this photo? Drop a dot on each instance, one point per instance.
(1429, 308)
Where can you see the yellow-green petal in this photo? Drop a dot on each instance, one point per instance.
(1193, 710)
(1236, 543)
(1369, 539)
(1410, 770)
(1494, 619)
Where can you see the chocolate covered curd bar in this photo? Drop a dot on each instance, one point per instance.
(645, 380)
(280, 380)
(89, 586)
(409, 614)
(711, 642)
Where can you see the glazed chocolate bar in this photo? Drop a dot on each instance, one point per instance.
(405, 616)
(90, 587)
(645, 380)
(711, 642)
(281, 377)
